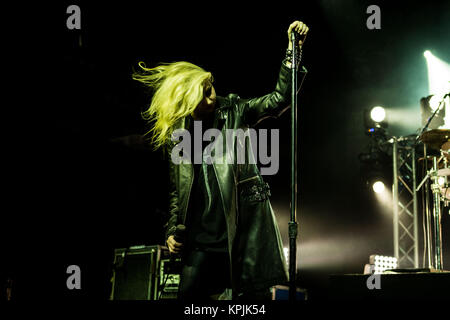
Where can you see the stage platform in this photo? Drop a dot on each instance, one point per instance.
(420, 284)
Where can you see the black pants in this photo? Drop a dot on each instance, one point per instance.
(204, 274)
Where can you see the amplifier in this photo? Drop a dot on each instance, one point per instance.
(169, 279)
(144, 273)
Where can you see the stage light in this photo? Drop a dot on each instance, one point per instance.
(441, 181)
(378, 187)
(439, 86)
(385, 203)
(378, 114)
(380, 264)
(375, 121)
(438, 74)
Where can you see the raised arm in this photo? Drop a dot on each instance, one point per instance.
(274, 103)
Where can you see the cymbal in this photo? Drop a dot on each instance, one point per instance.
(435, 138)
(446, 146)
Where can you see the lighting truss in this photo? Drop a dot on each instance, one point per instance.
(405, 205)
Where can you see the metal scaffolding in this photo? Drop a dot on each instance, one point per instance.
(405, 205)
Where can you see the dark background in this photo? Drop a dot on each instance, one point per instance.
(76, 187)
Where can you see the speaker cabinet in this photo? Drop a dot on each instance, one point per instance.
(144, 273)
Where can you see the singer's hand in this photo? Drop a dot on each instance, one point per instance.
(299, 27)
(174, 247)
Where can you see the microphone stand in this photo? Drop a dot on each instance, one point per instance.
(293, 221)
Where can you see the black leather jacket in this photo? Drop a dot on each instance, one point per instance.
(254, 242)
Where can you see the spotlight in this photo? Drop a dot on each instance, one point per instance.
(378, 114)
(438, 75)
(378, 187)
(439, 87)
(382, 263)
(375, 121)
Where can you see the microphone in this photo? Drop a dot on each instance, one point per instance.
(180, 233)
(178, 236)
(294, 36)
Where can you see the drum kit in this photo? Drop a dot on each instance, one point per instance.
(437, 167)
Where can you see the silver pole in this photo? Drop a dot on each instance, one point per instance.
(415, 210)
(428, 213)
(293, 226)
(395, 197)
(436, 216)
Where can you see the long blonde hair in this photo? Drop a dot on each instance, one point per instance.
(178, 89)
